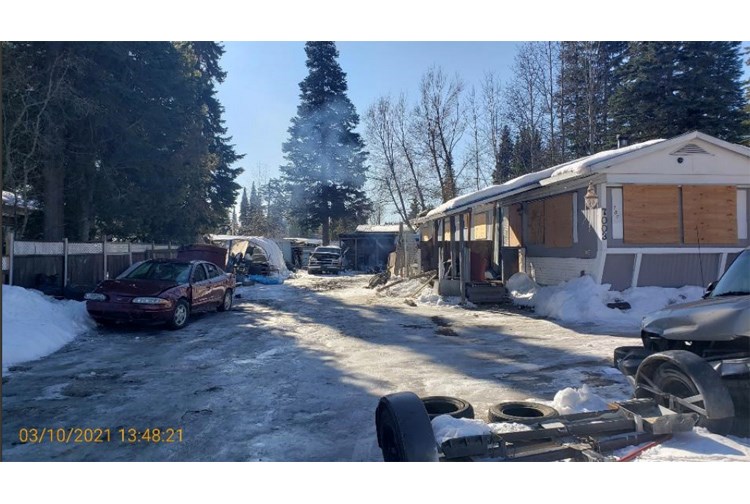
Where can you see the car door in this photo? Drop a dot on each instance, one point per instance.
(216, 278)
(201, 285)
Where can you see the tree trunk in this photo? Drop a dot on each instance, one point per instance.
(53, 173)
(326, 230)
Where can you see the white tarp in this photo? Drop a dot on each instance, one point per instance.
(269, 247)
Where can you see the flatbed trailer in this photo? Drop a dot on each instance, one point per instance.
(405, 433)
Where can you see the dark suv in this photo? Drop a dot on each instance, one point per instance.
(325, 259)
(696, 356)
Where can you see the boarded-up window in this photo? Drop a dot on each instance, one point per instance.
(535, 222)
(515, 222)
(558, 221)
(479, 226)
(709, 214)
(651, 214)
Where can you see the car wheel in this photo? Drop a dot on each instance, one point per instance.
(180, 315)
(105, 322)
(685, 383)
(404, 430)
(226, 303)
(443, 405)
(523, 412)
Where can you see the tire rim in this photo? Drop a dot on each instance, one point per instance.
(180, 315)
(227, 300)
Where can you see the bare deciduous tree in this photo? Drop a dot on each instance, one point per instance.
(440, 126)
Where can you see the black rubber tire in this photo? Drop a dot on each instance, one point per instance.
(628, 358)
(523, 412)
(445, 405)
(739, 391)
(683, 374)
(178, 320)
(105, 322)
(404, 430)
(625, 352)
(223, 305)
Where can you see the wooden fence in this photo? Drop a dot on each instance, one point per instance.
(70, 269)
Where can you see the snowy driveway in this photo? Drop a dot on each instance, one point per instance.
(293, 373)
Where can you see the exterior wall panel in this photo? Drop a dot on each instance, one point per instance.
(677, 270)
(553, 270)
(618, 270)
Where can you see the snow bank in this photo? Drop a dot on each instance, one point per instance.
(35, 325)
(583, 300)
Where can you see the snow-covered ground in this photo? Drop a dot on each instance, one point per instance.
(35, 325)
(583, 300)
(295, 371)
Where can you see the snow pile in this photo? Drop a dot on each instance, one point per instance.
(698, 445)
(508, 427)
(431, 299)
(583, 300)
(446, 427)
(35, 325)
(573, 400)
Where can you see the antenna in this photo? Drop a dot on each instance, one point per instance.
(700, 257)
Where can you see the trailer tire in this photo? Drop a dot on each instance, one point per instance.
(444, 405)
(523, 412)
(683, 374)
(404, 430)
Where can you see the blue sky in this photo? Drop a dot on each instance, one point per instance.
(261, 92)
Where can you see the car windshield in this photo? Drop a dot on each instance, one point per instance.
(162, 271)
(736, 280)
(328, 250)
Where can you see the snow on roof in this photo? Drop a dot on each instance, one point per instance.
(11, 199)
(584, 165)
(577, 167)
(490, 192)
(378, 228)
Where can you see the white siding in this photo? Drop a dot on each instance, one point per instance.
(553, 270)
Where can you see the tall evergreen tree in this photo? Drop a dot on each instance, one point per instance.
(669, 88)
(587, 80)
(505, 157)
(244, 210)
(325, 170)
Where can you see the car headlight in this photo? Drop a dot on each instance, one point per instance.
(94, 296)
(149, 300)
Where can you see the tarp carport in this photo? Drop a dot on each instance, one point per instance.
(268, 246)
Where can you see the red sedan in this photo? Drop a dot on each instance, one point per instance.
(162, 290)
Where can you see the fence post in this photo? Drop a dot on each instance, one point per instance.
(130, 254)
(104, 254)
(12, 246)
(65, 264)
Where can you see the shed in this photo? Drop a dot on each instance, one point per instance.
(368, 247)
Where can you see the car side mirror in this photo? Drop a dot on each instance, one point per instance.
(709, 289)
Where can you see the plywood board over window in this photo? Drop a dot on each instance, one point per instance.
(558, 221)
(479, 223)
(651, 214)
(709, 214)
(535, 222)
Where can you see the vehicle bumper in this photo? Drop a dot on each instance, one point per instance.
(129, 312)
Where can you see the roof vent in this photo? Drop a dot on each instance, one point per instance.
(689, 150)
